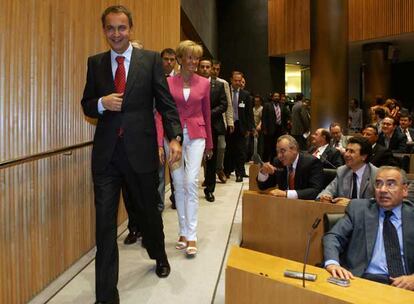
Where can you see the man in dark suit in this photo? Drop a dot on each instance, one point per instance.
(120, 90)
(405, 127)
(330, 157)
(275, 119)
(297, 175)
(391, 137)
(301, 121)
(380, 156)
(375, 238)
(236, 149)
(218, 105)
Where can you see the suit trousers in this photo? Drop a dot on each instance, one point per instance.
(185, 180)
(142, 189)
(221, 149)
(210, 167)
(236, 152)
(133, 225)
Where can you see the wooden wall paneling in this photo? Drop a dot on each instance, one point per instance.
(46, 206)
(368, 19)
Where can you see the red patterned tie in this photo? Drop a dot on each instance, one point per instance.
(120, 77)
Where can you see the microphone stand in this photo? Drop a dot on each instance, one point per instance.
(305, 260)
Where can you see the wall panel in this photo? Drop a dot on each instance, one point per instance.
(368, 19)
(46, 206)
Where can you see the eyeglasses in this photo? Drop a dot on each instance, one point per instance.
(389, 184)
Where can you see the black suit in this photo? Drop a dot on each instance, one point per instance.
(398, 141)
(271, 129)
(131, 159)
(218, 105)
(331, 158)
(236, 148)
(308, 177)
(382, 156)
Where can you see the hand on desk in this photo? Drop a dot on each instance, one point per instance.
(326, 198)
(405, 282)
(339, 272)
(278, 192)
(343, 201)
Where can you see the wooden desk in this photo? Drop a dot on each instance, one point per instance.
(280, 226)
(253, 171)
(254, 277)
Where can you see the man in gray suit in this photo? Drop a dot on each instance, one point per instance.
(375, 238)
(354, 179)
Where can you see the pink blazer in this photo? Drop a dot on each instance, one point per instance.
(195, 112)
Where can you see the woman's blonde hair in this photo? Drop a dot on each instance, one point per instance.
(189, 47)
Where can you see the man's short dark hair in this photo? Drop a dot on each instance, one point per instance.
(405, 114)
(366, 147)
(335, 124)
(325, 133)
(117, 9)
(380, 112)
(206, 59)
(394, 120)
(168, 51)
(373, 127)
(215, 61)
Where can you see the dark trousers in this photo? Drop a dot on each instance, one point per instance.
(269, 151)
(133, 225)
(303, 145)
(210, 167)
(235, 155)
(142, 188)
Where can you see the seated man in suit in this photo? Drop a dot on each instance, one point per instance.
(339, 141)
(297, 175)
(391, 137)
(330, 157)
(354, 179)
(380, 156)
(405, 127)
(375, 238)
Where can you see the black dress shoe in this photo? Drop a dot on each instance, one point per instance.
(239, 179)
(162, 268)
(209, 196)
(245, 175)
(132, 237)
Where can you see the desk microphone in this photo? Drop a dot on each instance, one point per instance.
(302, 275)
(305, 260)
(325, 160)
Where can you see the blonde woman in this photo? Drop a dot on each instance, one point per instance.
(191, 93)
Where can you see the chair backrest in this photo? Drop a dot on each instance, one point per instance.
(328, 176)
(403, 161)
(330, 219)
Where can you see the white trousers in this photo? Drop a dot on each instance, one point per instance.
(185, 180)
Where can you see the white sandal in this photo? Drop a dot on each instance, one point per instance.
(181, 243)
(191, 251)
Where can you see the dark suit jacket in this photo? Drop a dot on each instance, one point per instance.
(330, 158)
(355, 235)
(218, 104)
(382, 156)
(398, 141)
(145, 81)
(245, 111)
(269, 126)
(308, 177)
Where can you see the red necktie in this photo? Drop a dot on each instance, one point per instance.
(291, 178)
(120, 77)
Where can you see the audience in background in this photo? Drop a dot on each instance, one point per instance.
(391, 137)
(321, 148)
